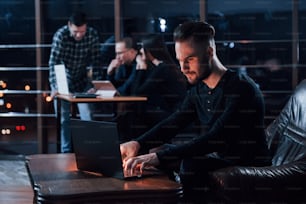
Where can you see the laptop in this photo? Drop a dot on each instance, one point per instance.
(62, 83)
(105, 88)
(97, 149)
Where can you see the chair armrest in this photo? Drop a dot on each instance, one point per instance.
(249, 183)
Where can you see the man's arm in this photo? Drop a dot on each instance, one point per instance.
(55, 58)
(125, 88)
(112, 71)
(113, 67)
(147, 86)
(165, 130)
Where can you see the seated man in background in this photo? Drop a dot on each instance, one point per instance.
(120, 68)
(228, 106)
(158, 78)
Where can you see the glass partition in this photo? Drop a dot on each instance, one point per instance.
(302, 40)
(142, 17)
(255, 37)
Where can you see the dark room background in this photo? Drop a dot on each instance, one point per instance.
(264, 39)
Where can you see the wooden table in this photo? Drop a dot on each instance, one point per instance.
(55, 179)
(71, 99)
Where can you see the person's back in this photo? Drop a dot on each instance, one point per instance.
(159, 79)
(162, 82)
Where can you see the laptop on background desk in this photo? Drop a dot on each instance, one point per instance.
(105, 88)
(62, 83)
(61, 79)
(97, 149)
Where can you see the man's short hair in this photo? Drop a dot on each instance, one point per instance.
(78, 18)
(198, 31)
(130, 43)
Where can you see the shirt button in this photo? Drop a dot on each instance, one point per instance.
(208, 101)
(209, 92)
(208, 109)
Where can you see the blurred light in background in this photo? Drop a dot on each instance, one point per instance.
(162, 24)
(48, 99)
(27, 87)
(20, 128)
(5, 131)
(8, 105)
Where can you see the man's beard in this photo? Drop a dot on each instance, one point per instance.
(207, 67)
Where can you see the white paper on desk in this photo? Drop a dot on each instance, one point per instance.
(106, 93)
(61, 79)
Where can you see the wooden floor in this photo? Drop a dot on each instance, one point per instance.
(15, 186)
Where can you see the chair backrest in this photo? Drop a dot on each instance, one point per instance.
(286, 135)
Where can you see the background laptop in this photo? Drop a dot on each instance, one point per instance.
(62, 83)
(97, 149)
(61, 79)
(105, 88)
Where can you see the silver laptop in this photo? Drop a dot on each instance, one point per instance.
(62, 83)
(61, 79)
(105, 88)
(97, 149)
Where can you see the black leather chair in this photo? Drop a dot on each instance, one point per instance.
(285, 180)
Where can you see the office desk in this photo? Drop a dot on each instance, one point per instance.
(55, 179)
(71, 99)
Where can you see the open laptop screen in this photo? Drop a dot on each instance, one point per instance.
(97, 149)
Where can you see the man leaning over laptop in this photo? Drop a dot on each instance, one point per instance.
(73, 44)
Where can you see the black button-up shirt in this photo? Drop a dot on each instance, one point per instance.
(230, 120)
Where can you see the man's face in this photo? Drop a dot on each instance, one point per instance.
(77, 32)
(123, 54)
(194, 63)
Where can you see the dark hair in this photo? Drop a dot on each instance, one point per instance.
(156, 45)
(199, 32)
(78, 18)
(130, 43)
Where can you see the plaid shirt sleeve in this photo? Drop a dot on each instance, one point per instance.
(55, 56)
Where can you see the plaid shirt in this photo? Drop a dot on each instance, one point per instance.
(76, 56)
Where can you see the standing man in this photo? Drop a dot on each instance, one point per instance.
(77, 46)
(227, 106)
(122, 67)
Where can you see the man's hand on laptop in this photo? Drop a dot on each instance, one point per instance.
(139, 163)
(129, 149)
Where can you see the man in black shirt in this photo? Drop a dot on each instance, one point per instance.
(228, 107)
(120, 69)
